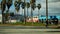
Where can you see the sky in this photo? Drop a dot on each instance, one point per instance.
(53, 7)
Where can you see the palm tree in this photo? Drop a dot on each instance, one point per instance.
(17, 5)
(28, 5)
(33, 6)
(39, 6)
(23, 7)
(32, 2)
(9, 4)
(3, 6)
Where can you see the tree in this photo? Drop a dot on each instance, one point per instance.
(32, 2)
(39, 6)
(9, 4)
(23, 7)
(3, 6)
(27, 5)
(17, 5)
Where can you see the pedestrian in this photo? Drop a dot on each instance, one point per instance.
(42, 20)
(46, 23)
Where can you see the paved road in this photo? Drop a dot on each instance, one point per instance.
(29, 31)
(21, 27)
(25, 27)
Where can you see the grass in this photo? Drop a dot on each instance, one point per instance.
(28, 24)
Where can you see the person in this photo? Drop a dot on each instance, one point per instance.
(46, 23)
(42, 20)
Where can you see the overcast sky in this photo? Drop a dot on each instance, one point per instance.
(53, 7)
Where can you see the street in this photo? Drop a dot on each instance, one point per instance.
(27, 27)
(29, 31)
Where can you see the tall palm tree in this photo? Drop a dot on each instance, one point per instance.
(32, 2)
(9, 4)
(17, 5)
(28, 5)
(32, 9)
(39, 6)
(23, 7)
(3, 6)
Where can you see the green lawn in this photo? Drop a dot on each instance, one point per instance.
(29, 24)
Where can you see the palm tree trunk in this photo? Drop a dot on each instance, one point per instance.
(32, 15)
(38, 12)
(38, 15)
(27, 13)
(3, 17)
